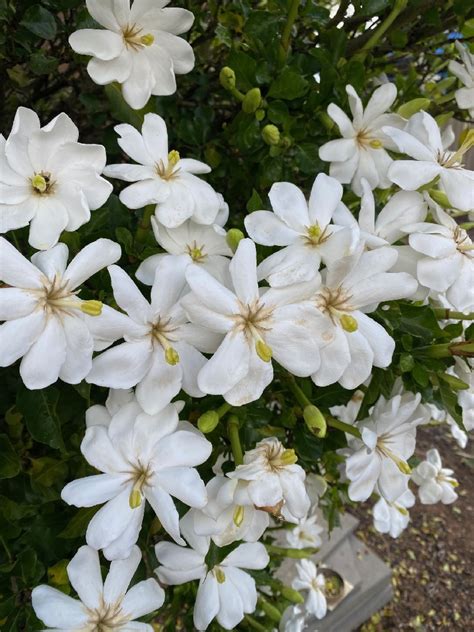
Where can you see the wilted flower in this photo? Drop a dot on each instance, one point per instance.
(436, 483)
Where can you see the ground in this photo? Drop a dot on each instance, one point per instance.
(433, 560)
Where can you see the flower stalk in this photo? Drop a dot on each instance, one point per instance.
(233, 432)
(398, 7)
(448, 314)
(286, 35)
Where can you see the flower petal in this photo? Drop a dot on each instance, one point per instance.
(55, 609)
(143, 598)
(42, 363)
(227, 367)
(99, 43)
(85, 576)
(207, 603)
(325, 195)
(94, 257)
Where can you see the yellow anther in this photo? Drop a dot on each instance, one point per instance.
(171, 356)
(349, 323)
(239, 514)
(402, 466)
(91, 308)
(314, 232)
(39, 183)
(195, 254)
(452, 482)
(288, 457)
(135, 499)
(375, 144)
(147, 40)
(220, 575)
(264, 352)
(173, 158)
(401, 510)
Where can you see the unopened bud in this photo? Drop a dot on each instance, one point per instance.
(440, 198)
(270, 610)
(227, 78)
(239, 515)
(252, 101)
(171, 356)
(208, 421)
(264, 352)
(234, 237)
(292, 595)
(315, 421)
(271, 134)
(91, 308)
(135, 499)
(349, 323)
(260, 114)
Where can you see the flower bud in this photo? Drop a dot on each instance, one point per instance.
(252, 101)
(234, 237)
(227, 78)
(315, 421)
(260, 114)
(271, 134)
(440, 198)
(270, 610)
(292, 595)
(208, 421)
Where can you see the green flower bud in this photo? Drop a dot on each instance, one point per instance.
(234, 237)
(440, 198)
(270, 610)
(315, 421)
(227, 78)
(271, 134)
(252, 101)
(292, 595)
(260, 114)
(208, 421)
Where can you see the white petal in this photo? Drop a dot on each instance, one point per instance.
(289, 204)
(339, 150)
(79, 349)
(91, 259)
(180, 52)
(380, 101)
(117, 69)
(251, 387)
(103, 12)
(155, 137)
(16, 303)
(110, 521)
(265, 228)
(410, 175)
(143, 598)
(128, 296)
(227, 367)
(409, 145)
(160, 384)
(132, 143)
(325, 195)
(231, 611)
(207, 602)
(120, 575)
(210, 292)
(380, 342)
(144, 193)
(181, 449)
(243, 270)
(17, 336)
(459, 187)
(137, 88)
(161, 65)
(41, 365)
(169, 283)
(97, 42)
(342, 120)
(185, 484)
(361, 361)
(50, 220)
(122, 366)
(251, 555)
(92, 490)
(54, 608)
(165, 509)
(85, 576)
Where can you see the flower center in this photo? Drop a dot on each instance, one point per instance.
(135, 38)
(383, 448)
(140, 475)
(56, 297)
(365, 140)
(315, 236)
(442, 478)
(196, 252)
(168, 171)
(107, 617)
(42, 183)
(254, 320)
(278, 457)
(336, 303)
(453, 159)
(162, 332)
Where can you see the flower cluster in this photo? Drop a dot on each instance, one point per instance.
(219, 318)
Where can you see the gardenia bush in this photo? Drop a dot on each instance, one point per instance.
(230, 299)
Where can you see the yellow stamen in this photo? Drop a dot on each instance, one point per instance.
(375, 144)
(288, 457)
(401, 510)
(264, 352)
(39, 183)
(402, 466)
(173, 157)
(239, 514)
(91, 308)
(349, 323)
(171, 356)
(220, 575)
(147, 39)
(135, 499)
(314, 232)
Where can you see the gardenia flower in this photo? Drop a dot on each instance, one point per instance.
(352, 341)
(103, 605)
(302, 227)
(308, 579)
(463, 370)
(465, 73)
(142, 458)
(47, 324)
(447, 258)
(436, 483)
(139, 47)
(48, 179)
(361, 152)
(225, 592)
(204, 245)
(162, 177)
(275, 481)
(256, 326)
(388, 439)
(403, 208)
(393, 517)
(422, 141)
(229, 514)
(160, 353)
(307, 533)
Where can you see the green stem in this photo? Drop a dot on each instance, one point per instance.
(223, 409)
(144, 225)
(295, 554)
(233, 432)
(399, 7)
(448, 314)
(341, 425)
(291, 19)
(467, 225)
(447, 350)
(253, 623)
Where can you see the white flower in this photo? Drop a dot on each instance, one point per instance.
(308, 579)
(162, 177)
(230, 514)
(447, 258)
(303, 228)
(436, 483)
(421, 140)
(388, 439)
(103, 605)
(203, 245)
(160, 353)
(307, 533)
(47, 324)
(48, 179)
(393, 517)
(257, 327)
(465, 73)
(275, 481)
(352, 341)
(225, 591)
(403, 208)
(141, 457)
(139, 47)
(361, 152)
(293, 619)
(464, 372)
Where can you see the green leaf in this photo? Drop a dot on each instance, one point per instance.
(76, 528)
(255, 203)
(450, 402)
(41, 22)
(39, 411)
(42, 64)
(288, 85)
(9, 460)
(47, 471)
